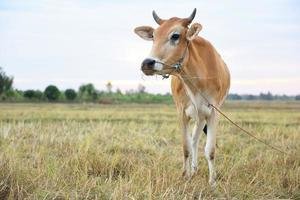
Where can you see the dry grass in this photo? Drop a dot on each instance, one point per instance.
(54, 151)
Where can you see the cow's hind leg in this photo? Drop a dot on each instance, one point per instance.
(210, 146)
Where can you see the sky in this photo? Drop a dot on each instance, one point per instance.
(69, 43)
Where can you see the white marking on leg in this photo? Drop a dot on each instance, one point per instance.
(187, 149)
(200, 105)
(198, 127)
(210, 147)
(186, 139)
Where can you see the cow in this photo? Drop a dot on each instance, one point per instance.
(200, 78)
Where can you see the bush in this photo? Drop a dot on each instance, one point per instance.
(6, 84)
(38, 95)
(29, 94)
(70, 94)
(266, 96)
(33, 94)
(234, 97)
(52, 93)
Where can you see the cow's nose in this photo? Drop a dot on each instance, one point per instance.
(148, 63)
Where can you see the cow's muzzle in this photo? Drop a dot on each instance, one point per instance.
(148, 66)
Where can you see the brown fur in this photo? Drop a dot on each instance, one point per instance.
(206, 63)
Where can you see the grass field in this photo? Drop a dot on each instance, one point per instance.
(57, 151)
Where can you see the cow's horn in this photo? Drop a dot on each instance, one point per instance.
(156, 18)
(192, 16)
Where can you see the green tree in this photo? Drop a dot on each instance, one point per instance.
(38, 95)
(267, 96)
(15, 95)
(29, 94)
(6, 83)
(118, 91)
(109, 87)
(87, 92)
(70, 94)
(52, 93)
(33, 94)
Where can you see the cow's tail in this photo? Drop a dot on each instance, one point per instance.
(205, 129)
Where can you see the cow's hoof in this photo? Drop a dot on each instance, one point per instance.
(185, 174)
(194, 171)
(212, 183)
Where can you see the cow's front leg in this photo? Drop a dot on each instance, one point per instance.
(195, 143)
(210, 147)
(186, 138)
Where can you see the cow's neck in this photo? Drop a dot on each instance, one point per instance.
(189, 74)
(194, 82)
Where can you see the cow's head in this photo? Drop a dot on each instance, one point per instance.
(170, 40)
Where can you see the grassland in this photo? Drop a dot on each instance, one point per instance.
(57, 151)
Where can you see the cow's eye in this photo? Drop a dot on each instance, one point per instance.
(175, 36)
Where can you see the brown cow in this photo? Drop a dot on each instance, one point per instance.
(199, 78)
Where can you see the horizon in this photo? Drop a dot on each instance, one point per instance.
(135, 89)
(61, 42)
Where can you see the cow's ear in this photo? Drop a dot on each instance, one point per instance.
(193, 31)
(145, 32)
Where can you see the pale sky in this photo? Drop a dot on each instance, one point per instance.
(68, 43)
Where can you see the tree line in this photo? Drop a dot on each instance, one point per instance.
(88, 93)
(85, 93)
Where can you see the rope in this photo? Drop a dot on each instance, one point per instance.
(247, 132)
(236, 125)
(178, 67)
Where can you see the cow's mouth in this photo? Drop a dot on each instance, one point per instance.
(148, 72)
(151, 72)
